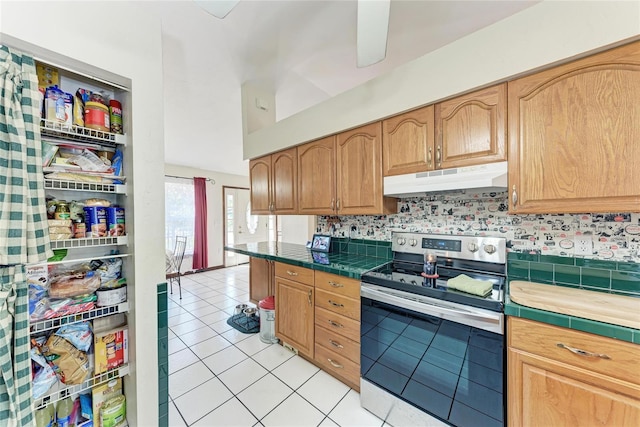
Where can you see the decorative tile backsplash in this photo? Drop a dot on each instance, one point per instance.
(615, 236)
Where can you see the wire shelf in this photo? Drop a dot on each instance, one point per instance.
(89, 242)
(54, 184)
(45, 325)
(65, 391)
(79, 133)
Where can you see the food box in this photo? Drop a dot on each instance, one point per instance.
(47, 76)
(102, 393)
(111, 348)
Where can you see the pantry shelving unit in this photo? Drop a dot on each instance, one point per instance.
(84, 250)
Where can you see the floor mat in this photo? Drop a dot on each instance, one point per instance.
(246, 325)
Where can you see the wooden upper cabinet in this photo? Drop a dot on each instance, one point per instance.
(408, 142)
(260, 178)
(359, 171)
(317, 177)
(471, 129)
(284, 167)
(274, 182)
(574, 133)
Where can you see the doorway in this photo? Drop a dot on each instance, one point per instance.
(240, 227)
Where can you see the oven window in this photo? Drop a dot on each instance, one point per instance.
(453, 371)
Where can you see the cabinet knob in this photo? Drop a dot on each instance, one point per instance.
(336, 304)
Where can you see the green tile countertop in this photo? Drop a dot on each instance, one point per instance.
(572, 322)
(343, 264)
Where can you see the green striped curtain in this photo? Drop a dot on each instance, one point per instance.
(24, 234)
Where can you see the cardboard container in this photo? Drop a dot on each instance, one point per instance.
(111, 348)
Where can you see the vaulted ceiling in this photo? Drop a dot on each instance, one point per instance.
(303, 51)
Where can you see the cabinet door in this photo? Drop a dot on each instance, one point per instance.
(284, 166)
(359, 171)
(260, 279)
(317, 177)
(294, 315)
(542, 392)
(573, 136)
(408, 142)
(259, 176)
(471, 129)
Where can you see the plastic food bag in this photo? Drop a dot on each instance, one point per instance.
(109, 270)
(72, 363)
(44, 376)
(78, 334)
(76, 285)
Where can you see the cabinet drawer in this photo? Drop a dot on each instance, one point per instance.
(338, 304)
(338, 344)
(553, 342)
(339, 324)
(338, 284)
(337, 364)
(292, 272)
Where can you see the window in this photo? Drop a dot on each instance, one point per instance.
(180, 212)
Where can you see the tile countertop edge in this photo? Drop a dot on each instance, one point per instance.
(339, 269)
(608, 330)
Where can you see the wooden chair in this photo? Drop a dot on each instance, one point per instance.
(173, 271)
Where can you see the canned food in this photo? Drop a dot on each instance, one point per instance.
(115, 221)
(95, 217)
(115, 115)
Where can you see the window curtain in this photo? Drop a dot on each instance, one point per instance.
(200, 253)
(24, 233)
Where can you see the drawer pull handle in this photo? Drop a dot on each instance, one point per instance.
(336, 304)
(336, 344)
(582, 352)
(335, 324)
(292, 273)
(336, 285)
(309, 297)
(335, 365)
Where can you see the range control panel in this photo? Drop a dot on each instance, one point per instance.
(477, 248)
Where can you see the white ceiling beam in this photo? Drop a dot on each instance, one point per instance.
(373, 29)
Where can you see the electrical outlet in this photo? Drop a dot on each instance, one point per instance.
(582, 245)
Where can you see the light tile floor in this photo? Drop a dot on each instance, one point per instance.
(222, 377)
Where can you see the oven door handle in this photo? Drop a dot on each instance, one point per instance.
(425, 306)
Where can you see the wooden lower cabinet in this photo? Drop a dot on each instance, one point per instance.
(562, 377)
(260, 279)
(295, 308)
(337, 319)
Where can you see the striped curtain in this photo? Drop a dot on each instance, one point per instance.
(24, 234)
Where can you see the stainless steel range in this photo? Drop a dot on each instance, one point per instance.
(432, 334)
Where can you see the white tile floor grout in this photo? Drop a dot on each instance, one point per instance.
(222, 377)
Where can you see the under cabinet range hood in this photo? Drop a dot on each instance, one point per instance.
(487, 177)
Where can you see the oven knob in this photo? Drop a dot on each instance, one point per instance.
(489, 249)
(413, 282)
(413, 242)
(473, 247)
(401, 241)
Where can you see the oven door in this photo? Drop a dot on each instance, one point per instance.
(419, 352)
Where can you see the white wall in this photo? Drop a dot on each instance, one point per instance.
(110, 39)
(297, 228)
(545, 33)
(215, 225)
